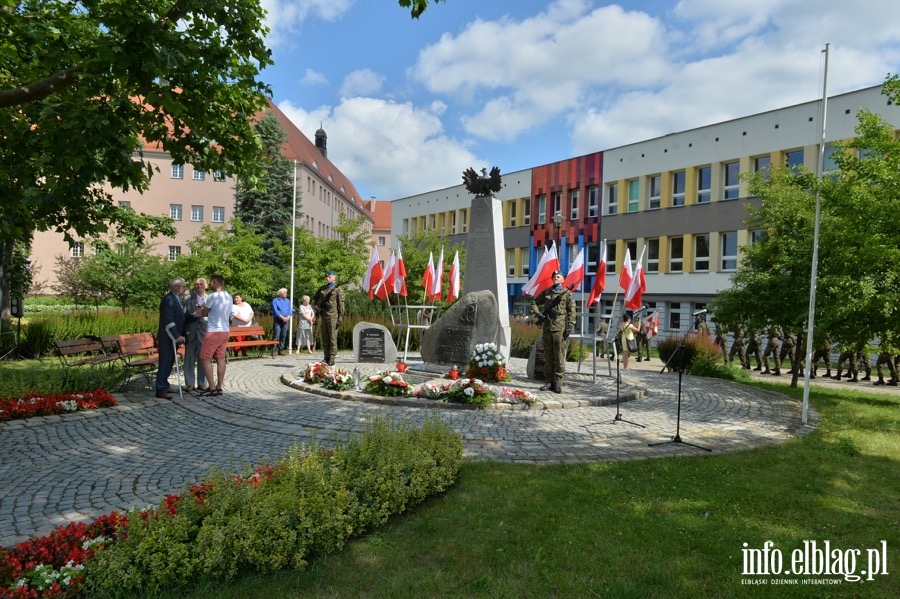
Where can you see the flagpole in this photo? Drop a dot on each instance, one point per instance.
(820, 167)
(293, 246)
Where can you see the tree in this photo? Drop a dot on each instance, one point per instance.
(236, 254)
(126, 272)
(417, 6)
(119, 77)
(858, 277)
(347, 253)
(268, 207)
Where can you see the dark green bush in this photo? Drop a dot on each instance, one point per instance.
(312, 505)
(523, 335)
(694, 346)
(41, 330)
(55, 379)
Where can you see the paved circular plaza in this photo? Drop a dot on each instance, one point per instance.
(61, 469)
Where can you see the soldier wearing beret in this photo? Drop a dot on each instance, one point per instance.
(555, 309)
(328, 304)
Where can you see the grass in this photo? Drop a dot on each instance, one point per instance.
(672, 527)
(49, 376)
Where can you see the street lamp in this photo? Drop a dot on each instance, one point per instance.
(557, 220)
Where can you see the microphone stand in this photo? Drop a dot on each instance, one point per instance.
(677, 438)
(618, 417)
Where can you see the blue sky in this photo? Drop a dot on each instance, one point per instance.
(409, 104)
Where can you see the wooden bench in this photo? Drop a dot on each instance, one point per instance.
(254, 337)
(137, 352)
(86, 351)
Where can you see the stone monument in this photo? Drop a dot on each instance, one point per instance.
(468, 322)
(483, 275)
(372, 342)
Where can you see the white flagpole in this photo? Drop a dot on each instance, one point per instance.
(293, 245)
(820, 168)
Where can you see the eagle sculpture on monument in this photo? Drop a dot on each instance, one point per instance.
(484, 184)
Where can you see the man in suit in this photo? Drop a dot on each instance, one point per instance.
(195, 329)
(171, 311)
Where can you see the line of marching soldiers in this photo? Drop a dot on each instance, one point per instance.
(781, 345)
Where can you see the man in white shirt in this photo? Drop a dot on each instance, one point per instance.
(217, 310)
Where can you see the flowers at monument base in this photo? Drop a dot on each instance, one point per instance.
(339, 380)
(34, 404)
(388, 384)
(316, 372)
(515, 396)
(471, 391)
(487, 363)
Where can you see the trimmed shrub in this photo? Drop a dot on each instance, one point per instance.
(694, 346)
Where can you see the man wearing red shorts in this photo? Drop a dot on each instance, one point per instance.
(218, 316)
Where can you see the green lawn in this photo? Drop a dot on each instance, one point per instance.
(671, 527)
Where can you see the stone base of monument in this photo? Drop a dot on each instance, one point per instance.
(422, 373)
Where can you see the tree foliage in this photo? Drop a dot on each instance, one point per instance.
(417, 7)
(235, 253)
(268, 207)
(858, 277)
(126, 272)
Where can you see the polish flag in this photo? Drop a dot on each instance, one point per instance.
(652, 324)
(437, 285)
(400, 274)
(428, 277)
(385, 286)
(374, 274)
(453, 289)
(600, 279)
(637, 286)
(543, 275)
(576, 272)
(625, 275)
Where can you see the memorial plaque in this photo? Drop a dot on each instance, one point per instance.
(371, 346)
(455, 347)
(373, 343)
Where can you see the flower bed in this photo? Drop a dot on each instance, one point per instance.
(389, 384)
(34, 404)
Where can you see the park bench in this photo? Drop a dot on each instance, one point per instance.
(86, 351)
(137, 352)
(253, 337)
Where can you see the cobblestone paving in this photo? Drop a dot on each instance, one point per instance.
(78, 466)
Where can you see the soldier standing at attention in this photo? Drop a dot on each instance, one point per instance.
(737, 347)
(556, 308)
(720, 339)
(328, 304)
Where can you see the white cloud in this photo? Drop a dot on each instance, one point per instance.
(312, 77)
(383, 145)
(285, 16)
(361, 83)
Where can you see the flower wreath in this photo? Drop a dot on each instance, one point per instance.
(488, 364)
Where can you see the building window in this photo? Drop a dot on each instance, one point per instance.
(197, 214)
(573, 204)
(794, 160)
(511, 262)
(512, 213)
(381, 240)
(732, 184)
(593, 254)
(701, 253)
(610, 258)
(218, 176)
(124, 204)
(729, 251)
(675, 316)
(704, 184)
(557, 202)
(634, 199)
(676, 254)
(432, 223)
(178, 171)
(678, 182)
(76, 249)
(542, 210)
(761, 166)
(593, 201)
(526, 267)
(465, 220)
(655, 191)
(175, 211)
(526, 215)
(199, 175)
(453, 222)
(174, 252)
(757, 235)
(218, 214)
(612, 199)
(653, 255)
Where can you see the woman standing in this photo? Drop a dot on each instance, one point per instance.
(305, 324)
(626, 334)
(241, 316)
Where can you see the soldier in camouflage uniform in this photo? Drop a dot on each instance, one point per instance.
(886, 356)
(754, 348)
(328, 304)
(643, 340)
(848, 355)
(737, 346)
(774, 335)
(787, 351)
(557, 301)
(822, 352)
(720, 339)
